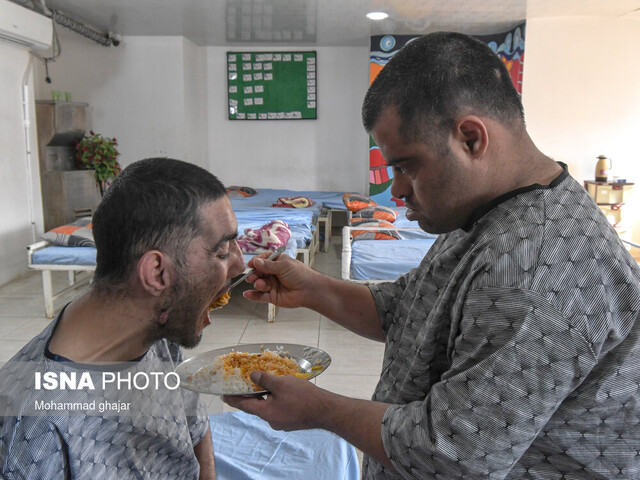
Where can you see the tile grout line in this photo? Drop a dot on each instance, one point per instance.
(244, 330)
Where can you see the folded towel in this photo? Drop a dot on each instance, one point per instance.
(266, 238)
(293, 202)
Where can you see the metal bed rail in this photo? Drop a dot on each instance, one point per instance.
(50, 296)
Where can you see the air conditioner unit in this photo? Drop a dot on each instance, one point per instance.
(24, 27)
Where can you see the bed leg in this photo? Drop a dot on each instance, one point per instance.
(324, 220)
(271, 313)
(327, 231)
(346, 253)
(47, 286)
(312, 250)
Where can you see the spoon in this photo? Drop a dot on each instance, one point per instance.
(273, 255)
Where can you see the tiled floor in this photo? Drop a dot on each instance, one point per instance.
(355, 365)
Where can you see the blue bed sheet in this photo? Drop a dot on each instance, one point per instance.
(387, 259)
(87, 255)
(55, 255)
(246, 448)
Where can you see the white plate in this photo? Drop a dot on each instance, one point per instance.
(194, 374)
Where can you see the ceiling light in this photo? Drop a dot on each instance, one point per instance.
(377, 15)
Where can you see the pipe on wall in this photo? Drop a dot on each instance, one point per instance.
(82, 29)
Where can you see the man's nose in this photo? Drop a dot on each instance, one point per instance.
(237, 266)
(399, 186)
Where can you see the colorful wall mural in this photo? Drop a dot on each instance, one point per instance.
(509, 46)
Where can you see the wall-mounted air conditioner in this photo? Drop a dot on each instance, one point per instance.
(24, 27)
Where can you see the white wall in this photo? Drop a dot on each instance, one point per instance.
(329, 153)
(140, 92)
(196, 123)
(581, 93)
(167, 96)
(19, 218)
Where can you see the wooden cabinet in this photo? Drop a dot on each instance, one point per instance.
(67, 193)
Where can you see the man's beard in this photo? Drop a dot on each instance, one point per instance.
(182, 317)
(423, 225)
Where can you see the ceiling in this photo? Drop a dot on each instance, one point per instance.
(316, 22)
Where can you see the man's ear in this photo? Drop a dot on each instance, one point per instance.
(472, 133)
(155, 272)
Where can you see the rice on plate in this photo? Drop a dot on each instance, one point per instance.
(227, 371)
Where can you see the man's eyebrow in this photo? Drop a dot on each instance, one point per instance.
(395, 161)
(225, 239)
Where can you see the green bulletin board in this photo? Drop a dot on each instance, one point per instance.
(272, 85)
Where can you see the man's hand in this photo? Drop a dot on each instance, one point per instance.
(289, 283)
(282, 407)
(297, 404)
(284, 282)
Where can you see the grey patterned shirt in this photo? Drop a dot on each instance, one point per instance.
(513, 350)
(152, 439)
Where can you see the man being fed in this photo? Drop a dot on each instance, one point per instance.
(166, 244)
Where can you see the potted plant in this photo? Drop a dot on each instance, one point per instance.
(98, 153)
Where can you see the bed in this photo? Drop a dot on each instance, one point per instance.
(325, 203)
(374, 261)
(301, 222)
(251, 212)
(80, 262)
(246, 448)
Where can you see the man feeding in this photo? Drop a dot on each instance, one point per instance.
(513, 350)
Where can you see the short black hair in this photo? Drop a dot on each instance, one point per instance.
(153, 204)
(438, 77)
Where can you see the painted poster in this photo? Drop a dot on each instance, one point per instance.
(509, 46)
